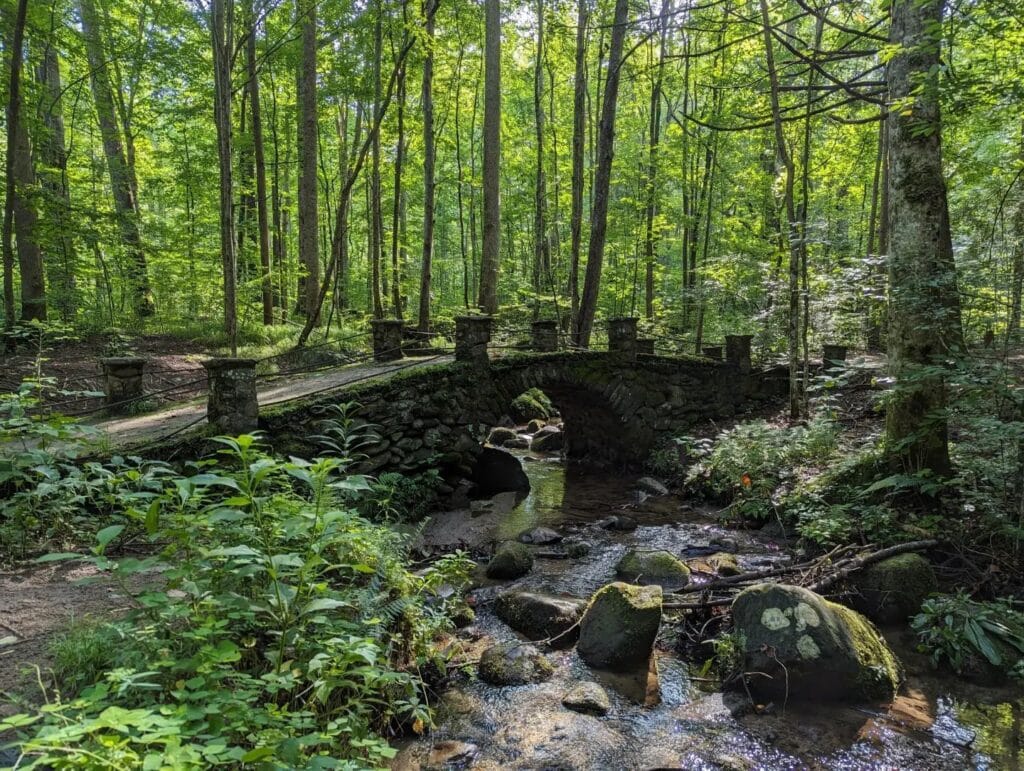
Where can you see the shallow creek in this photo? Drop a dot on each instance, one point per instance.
(937, 723)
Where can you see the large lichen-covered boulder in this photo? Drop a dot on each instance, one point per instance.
(511, 560)
(653, 567)
(620, 625)
(541, 616)
(893, 589)
(811, 648)
(514, 664)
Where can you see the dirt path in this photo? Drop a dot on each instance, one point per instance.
(148, 428)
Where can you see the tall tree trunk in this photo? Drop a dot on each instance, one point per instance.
(654, 133)
(579, 145)
(396, 209)
(62, 268)
(792, 230)
(1013, 328)
(460, 176)
(30, 255)
(541, 245)
(222, 29)
(17, 45)
(492, 158)
(924, 307)
(602, 180)
(875, 307)
(427, 101)
(259, 155)
(376, 225)
(125, 205)
(309, 257)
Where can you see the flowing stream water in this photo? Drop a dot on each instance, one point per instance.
(938, 723)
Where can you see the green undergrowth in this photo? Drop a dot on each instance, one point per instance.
(272, 625)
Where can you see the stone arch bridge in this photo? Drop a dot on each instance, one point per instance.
(614, 407)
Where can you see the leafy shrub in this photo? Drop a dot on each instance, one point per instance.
(397, 497)
(970, 636)
(285, 629)
(756, 463)
(530, 405)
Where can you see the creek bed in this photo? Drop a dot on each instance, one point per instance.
(937, 723)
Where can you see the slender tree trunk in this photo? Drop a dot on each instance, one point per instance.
(396, 209)
(924, 307)
(62, 268)
(654, 133)
(460, 175)
(259, 155)
(30, 254)
(874, 309)
(376, 225)
(17, 44)
(1013, 328)
(792, 231)
(492, 158)
(541, 245)
(309, 257)
(602, 180)
(474, 244)
(222, 29)
(125, 205)
(427, 101)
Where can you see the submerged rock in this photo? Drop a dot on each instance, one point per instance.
(618, 522)
(514, 664)
(499, 437)
(653, 567)
(576, 549)
(724, 564)
(541, 616)
(447, 754)
(812, 648)
(620, 625)
(651, 486)
(540, 536)
(511, 560)
(893, 589)
(588, 697)
(548, 439)
(534, 426)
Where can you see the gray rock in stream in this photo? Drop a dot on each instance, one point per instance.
(651, 486)
(588, 697)
(541, 616)
(514, 664)
(511, 560)
(540, 536)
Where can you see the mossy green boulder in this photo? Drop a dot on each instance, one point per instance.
(620, 625)
(893, 589)
(514, 664)
(531, 405)
(811, 648)
(653, 567)
(541, 616)
(511, 560)
(724, 564)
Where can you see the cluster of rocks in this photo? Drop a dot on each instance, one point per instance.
(536, 436)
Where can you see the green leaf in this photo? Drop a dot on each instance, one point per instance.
(108, 534)
(258, 754)
(976, 635)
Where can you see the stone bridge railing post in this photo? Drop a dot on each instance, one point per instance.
(544, 336)
(231, 403)
(712, 352)
(737, 351)
(122, 376)
(387, 339)
(472, 334)
(622, 337)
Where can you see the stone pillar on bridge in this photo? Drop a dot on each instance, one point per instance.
(231, 403)
(833, 357)
(712, 352)
(387, 339)
(472, 334)
(622, 337)
(122, 376)
(544, 336)
(737, 351)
